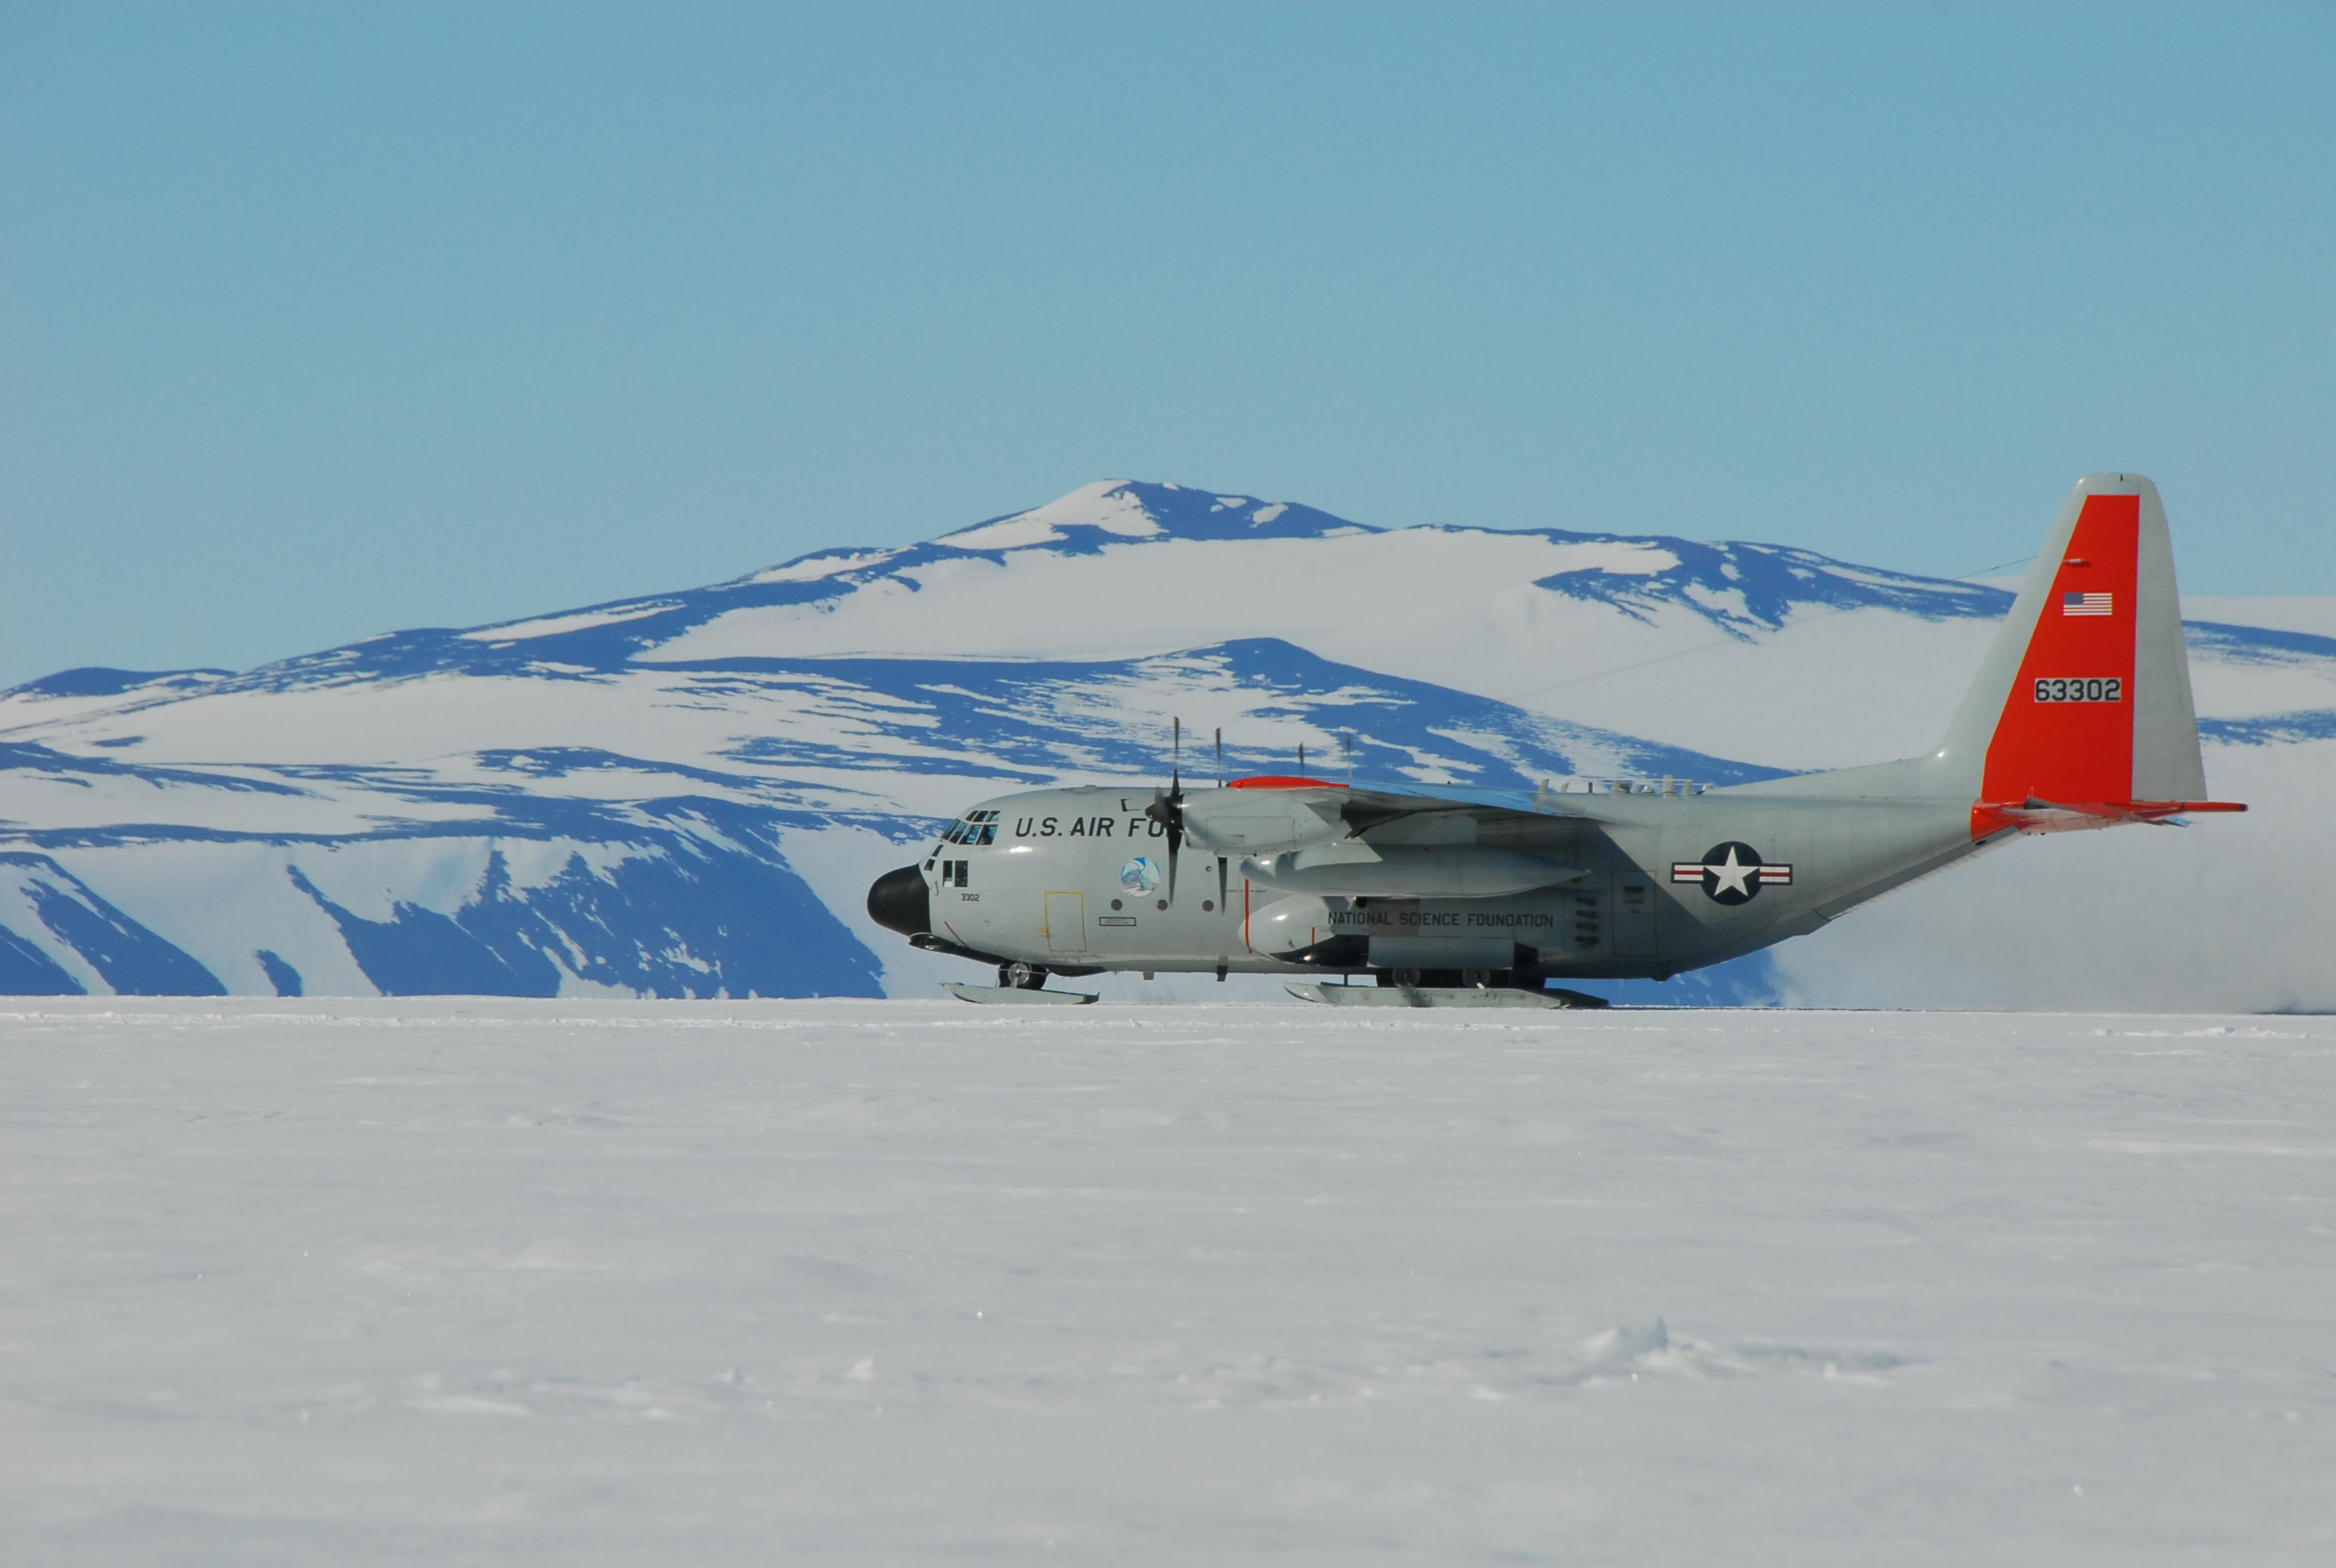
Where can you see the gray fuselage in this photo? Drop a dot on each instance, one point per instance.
(1078, 879)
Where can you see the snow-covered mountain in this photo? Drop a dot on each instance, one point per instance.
(688, 794)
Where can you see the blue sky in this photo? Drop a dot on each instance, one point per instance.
(321, 320)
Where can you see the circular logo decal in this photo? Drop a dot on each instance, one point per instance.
(1731, 872)
(1139, 875)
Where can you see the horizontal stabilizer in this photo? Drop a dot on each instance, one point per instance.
(2033, 816)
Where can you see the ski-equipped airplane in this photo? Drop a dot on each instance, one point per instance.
(2080, 717)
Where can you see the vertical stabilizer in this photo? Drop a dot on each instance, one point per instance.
(2165, 761)
(2084, 698)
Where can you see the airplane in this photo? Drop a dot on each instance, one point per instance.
(2079, 717)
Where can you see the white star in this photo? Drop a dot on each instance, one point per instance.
(1729, 876)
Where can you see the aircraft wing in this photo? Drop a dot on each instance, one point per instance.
(1445, 840)
(1275, 814)
(1368, 806)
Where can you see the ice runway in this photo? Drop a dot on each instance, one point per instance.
(458, 1281)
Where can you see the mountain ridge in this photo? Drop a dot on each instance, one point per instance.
(1711, 580)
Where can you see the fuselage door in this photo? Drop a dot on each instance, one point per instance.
(1632, 915)
(1066, 922)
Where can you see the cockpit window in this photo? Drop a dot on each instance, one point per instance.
(975, 829)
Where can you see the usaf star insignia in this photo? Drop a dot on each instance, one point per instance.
(1731, 873)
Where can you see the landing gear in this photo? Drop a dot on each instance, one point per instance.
(1021, 977)
(1437, 979)
(1460, 979)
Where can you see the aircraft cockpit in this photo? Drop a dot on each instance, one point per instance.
(973, 830)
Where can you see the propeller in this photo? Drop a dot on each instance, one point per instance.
(1221, 783)
(1168, 810)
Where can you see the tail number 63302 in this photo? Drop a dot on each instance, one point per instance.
(2086, 688)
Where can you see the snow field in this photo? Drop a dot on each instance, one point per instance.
(482, 1280)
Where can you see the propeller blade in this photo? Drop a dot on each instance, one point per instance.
(1168, 809)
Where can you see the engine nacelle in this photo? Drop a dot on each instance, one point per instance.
(1290, 925)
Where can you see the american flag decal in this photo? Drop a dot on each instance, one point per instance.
(2086, 603)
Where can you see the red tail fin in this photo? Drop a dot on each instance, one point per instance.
(2066, 733)
(2081, 715)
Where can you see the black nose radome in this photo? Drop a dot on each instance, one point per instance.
(899, 902)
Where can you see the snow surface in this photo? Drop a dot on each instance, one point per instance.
(560, 625)
(490, 1281)
(1456, 606)
(1106, 504)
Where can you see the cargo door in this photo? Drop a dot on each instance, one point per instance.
(1066, 922)
(1632, 915)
